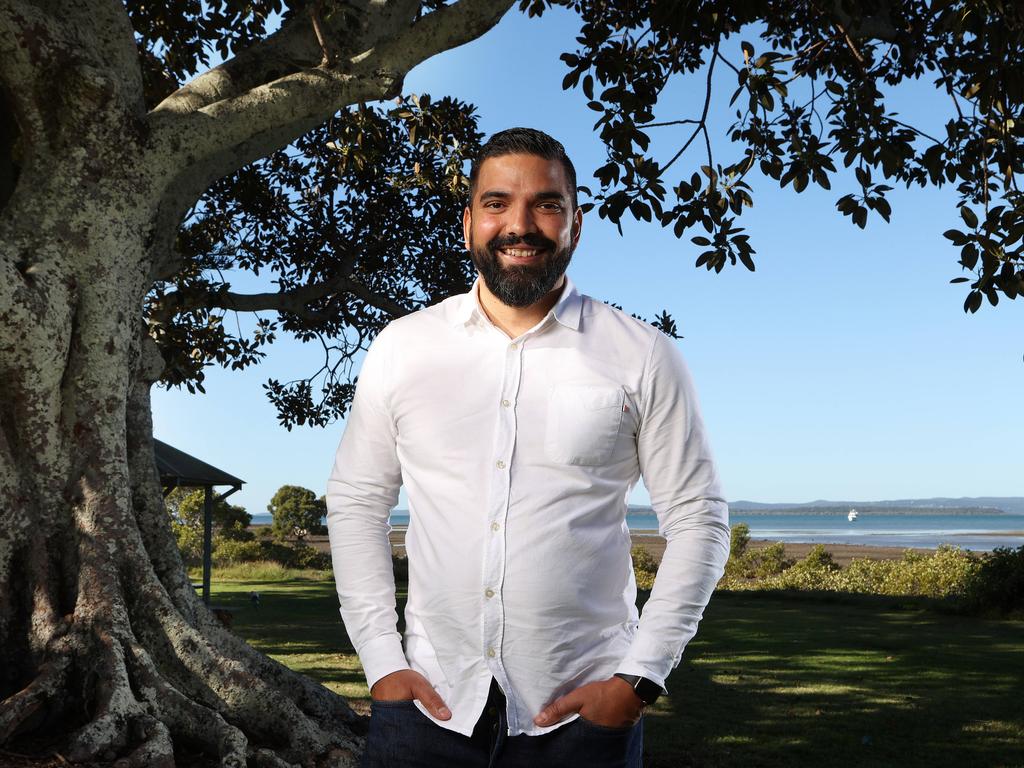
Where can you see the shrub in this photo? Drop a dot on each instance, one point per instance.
(236, 531)
(739, 538)
(190, 543)
(944, 574)
(768, 561)
(231, 551)
(307, 557)
(644, 567)
(998, 582)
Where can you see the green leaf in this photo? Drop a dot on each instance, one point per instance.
(970, 218)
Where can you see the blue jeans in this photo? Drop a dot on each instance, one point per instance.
(401, 736)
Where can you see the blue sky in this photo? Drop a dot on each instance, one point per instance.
(843, 368)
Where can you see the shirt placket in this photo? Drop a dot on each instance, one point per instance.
(497, 516)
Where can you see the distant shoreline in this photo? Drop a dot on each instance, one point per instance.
(655, 544)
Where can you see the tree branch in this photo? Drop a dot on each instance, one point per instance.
(190, 151)
(303, 42)
(702, 123)
(305, 98)
(295, 301)
(444, 29)
(290, 49)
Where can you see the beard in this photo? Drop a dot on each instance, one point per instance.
(520, 285)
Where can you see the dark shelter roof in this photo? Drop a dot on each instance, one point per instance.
(179, 468)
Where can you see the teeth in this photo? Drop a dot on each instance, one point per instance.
(519, 253)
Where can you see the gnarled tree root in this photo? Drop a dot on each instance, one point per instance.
(202, 701)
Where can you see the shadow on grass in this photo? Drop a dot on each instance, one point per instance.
(775, 681)
(772, 679)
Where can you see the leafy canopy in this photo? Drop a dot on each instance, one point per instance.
(812, 92)
(357, 222)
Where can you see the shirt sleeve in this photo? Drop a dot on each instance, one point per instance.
(361, 491)
(678, 470)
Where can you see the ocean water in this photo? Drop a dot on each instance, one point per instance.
(974, 532)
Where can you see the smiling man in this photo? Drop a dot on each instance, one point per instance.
(519, 416)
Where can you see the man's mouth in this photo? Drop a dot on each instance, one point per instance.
(519, 254)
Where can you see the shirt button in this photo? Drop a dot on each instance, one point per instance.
(506, 403)
(490, 653)
(495, 526)
(513, 345)
(500, 464)
(489, 592)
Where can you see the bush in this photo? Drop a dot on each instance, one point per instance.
(739, 538)
(998, 582)
(767, 561)
(190, 543)
(745, 563)
(236, 531)
(644, 567)
(307, 557)
(231, 551)
(944, 574)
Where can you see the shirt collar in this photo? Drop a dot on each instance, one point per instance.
(567, 309)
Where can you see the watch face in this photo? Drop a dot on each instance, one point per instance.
(647, 690)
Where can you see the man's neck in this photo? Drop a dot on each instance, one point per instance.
(515, 321)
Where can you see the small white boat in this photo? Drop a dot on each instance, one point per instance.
(852, 516)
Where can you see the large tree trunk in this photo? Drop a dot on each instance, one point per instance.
(106, 652)
(103, 642)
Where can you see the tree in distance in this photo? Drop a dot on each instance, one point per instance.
(139, 189)
(185, 507)
(297, 512)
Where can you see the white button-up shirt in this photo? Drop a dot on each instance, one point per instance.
(518, 456)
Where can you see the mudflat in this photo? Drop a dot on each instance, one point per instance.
(655, 544)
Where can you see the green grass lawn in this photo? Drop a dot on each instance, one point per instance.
(770, 680)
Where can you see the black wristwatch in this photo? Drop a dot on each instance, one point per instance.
(647, 690)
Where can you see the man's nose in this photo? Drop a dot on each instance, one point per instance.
(520, 220)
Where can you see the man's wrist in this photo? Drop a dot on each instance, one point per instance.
(646, 690)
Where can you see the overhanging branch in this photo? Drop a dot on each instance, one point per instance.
(295, 301)
(281, 109)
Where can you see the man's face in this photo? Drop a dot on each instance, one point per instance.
(520, 228)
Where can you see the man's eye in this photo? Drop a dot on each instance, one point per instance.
(493, 204)
(551, 206)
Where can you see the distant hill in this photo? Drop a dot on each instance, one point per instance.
(940, 505)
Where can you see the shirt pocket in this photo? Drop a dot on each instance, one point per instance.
(583, 423)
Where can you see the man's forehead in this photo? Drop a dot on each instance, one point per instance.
(519, 168)
(519, 162)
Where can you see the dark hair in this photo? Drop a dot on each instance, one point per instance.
(524, 141)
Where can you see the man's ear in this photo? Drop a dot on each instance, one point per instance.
(577, 225)
(467, 225)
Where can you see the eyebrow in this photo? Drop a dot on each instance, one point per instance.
(551, 194)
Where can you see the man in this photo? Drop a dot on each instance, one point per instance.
(518, 417)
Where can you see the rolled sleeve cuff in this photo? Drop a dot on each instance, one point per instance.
(647, 658)
(382, 656)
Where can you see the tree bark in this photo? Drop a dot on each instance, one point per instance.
(106, 652)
